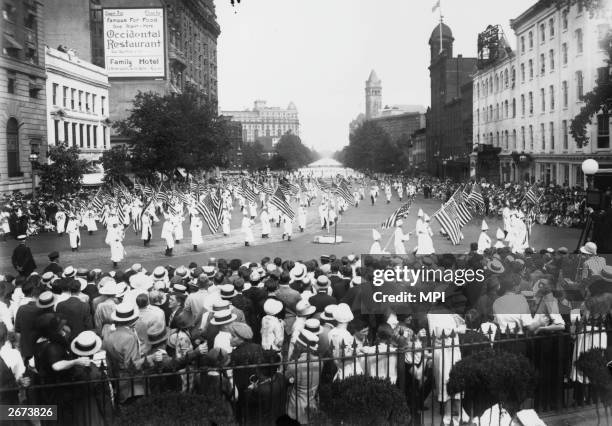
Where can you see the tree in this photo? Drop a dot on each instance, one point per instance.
(116, 163)
(253, 156)
(290, 153)
(370, 149)
(64, 173)
(175, 131)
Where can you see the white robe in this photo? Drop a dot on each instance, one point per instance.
(115, 240)
(60, 219)
(266, 229)
(196, 231)
(168, 233)
(247, 230)
(302, 217)
(225, 224)
(178, 227)
(74, 235)
(424, 241)
(398, 240)
(90, 221)
(484, 242)
(146, 231)
(287, 226)
(376, 248)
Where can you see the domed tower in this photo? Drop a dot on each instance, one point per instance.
(373, 92)
(447, 41)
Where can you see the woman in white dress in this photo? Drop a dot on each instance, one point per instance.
(196, 230)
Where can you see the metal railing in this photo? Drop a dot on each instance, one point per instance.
(419, 369)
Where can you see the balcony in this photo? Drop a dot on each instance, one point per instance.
(177, 56)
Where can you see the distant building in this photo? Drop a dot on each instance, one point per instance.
(77, 103)
(525, 100)
(373, 95)
(418, 150)
(400, 109)
(401, 127)
(264, 121)
(447, 142)
(22, 97)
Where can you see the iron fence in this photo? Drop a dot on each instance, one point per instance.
(258, 393)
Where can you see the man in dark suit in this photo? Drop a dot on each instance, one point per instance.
(322, 299)
(77, 313)
(340, 282)
(53, 265)
(22, 258)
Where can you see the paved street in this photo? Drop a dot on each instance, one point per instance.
(355, 229)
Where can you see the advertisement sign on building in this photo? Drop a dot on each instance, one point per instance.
(134, 44)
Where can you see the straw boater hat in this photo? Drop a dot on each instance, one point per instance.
(69, 272)
(496, 266)
(308, 340)
(227, 291)
(272, 306)
(209, 271)
(21, 237)
(47, 278)
(328, 312)
(124, 313)
(343, 314)
(157, 333)
(87, 343)
(298, 272)
(221, 305)
(108, 287)
(141, 281)
(303, 308)
(223, 317)
(45, 300)
(313, 325)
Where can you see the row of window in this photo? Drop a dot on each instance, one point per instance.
(78, 134)
(77, 100)
(509, 141)
(551, 29)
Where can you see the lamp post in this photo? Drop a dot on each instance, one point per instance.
(444, 162)
(33, 162)
(589, 168)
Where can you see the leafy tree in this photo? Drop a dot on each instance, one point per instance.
(370, 149)
(64, 172)
(116, 163)
(290, 153)
(254, 156)
(172, 131)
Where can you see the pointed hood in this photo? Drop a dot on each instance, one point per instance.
(484, 226)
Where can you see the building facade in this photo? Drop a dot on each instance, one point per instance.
(265, 121)
(448, 144)
(400, 128)
(22, 92)
(77, 104)
(373, 96)
(418, 150)
(525, 102)
(190, 51)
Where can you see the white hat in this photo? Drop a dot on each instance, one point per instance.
(420, 213)
(69, 272)
(86, 343)
(484, 226)
(375, 235)
(399, 222)
(303, 308)
(589, 248)
(426, 218)
(124, 313)
(298, 272)
(108, 287)
(160, 273)
(499, 234)
(343, 313)
(308, 339)
(223, 317)
(272, 306)
(141, 281)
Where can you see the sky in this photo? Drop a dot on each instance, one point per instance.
(319, 53)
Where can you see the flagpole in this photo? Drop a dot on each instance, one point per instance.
(440, 26)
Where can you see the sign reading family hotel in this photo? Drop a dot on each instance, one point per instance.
(134, 42)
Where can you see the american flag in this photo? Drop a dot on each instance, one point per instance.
(248, 193)
(401, 212)
(120, 215)
(465, 215)
(533, 195)
(475, 198)
(210, 209)
(343, 191)
(450, 225)
(278, 200)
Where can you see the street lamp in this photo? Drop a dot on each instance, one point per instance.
(444, 162)
(589, 168)
(34, 162)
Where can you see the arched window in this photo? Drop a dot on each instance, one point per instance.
(12, 147)
(506, 78)
(496, 83)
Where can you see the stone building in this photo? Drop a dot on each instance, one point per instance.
(373, 94)
(22, 92)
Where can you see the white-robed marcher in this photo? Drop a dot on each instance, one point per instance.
(484, 241)
(147, 231)
(177, 223)
(74, 234)
(399, 237)
(499, 235)
(375, 248)
(167, 235)
(60, 221)
(506, 213)
(266, 229)
(287, 227)
(196, 230)
(253, 210)
(424, 234)
(302, 218)
(323, 214)
(517, 236)
(246, 228)
(89, 220)
(114, 239)
(226, 217)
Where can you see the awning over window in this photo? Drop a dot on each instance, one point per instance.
(11, 43)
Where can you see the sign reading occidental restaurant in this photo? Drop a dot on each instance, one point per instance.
(134, 42)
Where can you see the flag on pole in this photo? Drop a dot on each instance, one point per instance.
(475, 198)
(343, 191)
(448, 225)
(435, 6)
(533, 195)
(465, 215)
(278, 200)
(210, 211)
(248, 193)
(397, 214)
